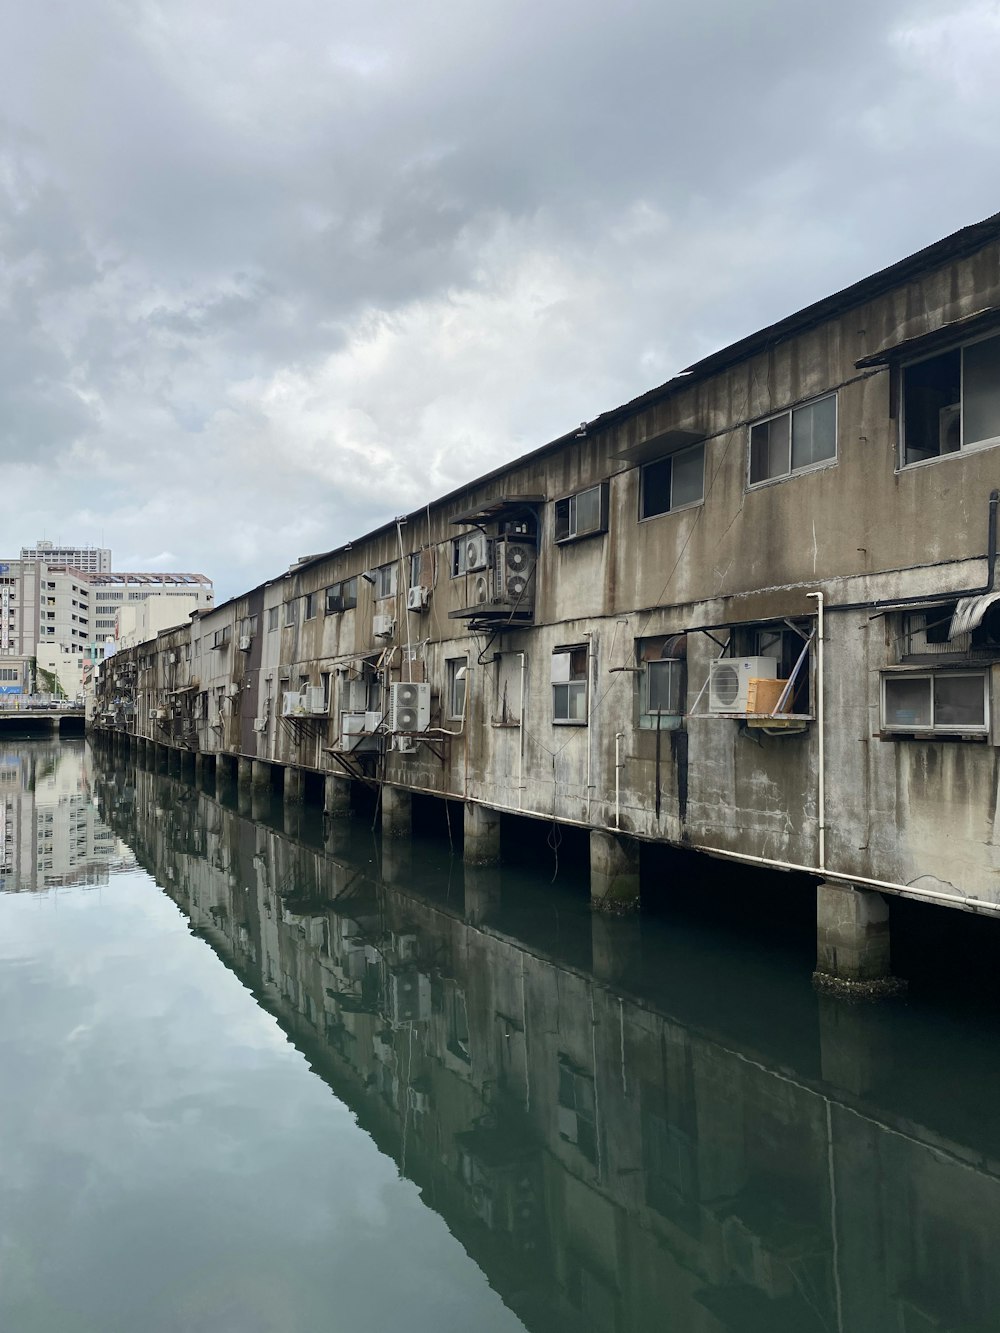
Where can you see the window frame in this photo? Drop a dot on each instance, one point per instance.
(385, 575)
(670, 457)
(273, 618)
(311, 604)
(790, 413)
(565, 529)
(452, 667)
(963, 449)
(933, 728)
(575, 683)
(291, 613)
(346, 592)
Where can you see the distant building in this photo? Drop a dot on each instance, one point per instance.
(93, 559)
(112, 591)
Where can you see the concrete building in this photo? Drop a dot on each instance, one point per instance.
(90, 559)
(752, 612)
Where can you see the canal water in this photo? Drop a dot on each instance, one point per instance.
(262, 1076)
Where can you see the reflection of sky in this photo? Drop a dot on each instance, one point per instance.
(170, 1162)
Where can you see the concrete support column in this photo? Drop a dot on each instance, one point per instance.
(482, 835)
(614, 872)
(188, 763)
(244, 771)
(852, 941)
(336, 795)
(260, 774)
(162, 758)
(616, 947)
(199, 768)
(482, 894)
(295, 786)
(397, 812)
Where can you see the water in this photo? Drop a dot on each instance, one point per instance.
(255, 1081)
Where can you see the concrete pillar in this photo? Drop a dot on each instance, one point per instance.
(614, 872)
(187, 763)
(260, 773)
(852, 941)
(397, 812)
(199, 768)
(244, 771)
(482, 894)
(162, 759)
(295, 786)
(336, 795)
(856, 1049)
(482, 835)
(616, 947)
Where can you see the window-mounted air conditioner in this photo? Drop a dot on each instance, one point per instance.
(476, 550)
(410, 706)
(417, 598)
(514, 573)
(245, 641)
(383, 627)
(314, 697)
(729, 681)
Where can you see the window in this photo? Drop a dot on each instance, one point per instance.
(222, 636)
(291, 612)
(673, 482)
(792, 441)
(272, 618)
(342, 596)
(942, 701)
(583, 514)
(310, 606)
(577, 1108)
(385, 580)
(951, 401)
(785, 645)
(661, 681)
(569, 686)
(457, 679)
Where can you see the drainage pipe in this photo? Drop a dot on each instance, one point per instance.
(619, 737)
(821, 785)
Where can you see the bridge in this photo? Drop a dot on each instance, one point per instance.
(34, 716)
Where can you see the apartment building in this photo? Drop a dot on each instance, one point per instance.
(752, 612)
(91, 559)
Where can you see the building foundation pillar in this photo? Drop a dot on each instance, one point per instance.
(614, 872)
(260, 773)
(852, 941)
(244, 771)
(336, 795)
(482, 835)
(295, 785)
(397, 812)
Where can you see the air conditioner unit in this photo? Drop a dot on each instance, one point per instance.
(383, 627)
(355, 734)
(480, 589)
(155, 714)
(291, 703)
(514, 574)
(409, 996)
(172, 658)
(260, 724)
(417, 598)
(315, 699)
(245, 641)
(476, 549)
(419, 1100)
(410, 706)
(729, 680)
(233, 689)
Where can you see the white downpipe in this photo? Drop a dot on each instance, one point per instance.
(619, 737)
(821, 729)
(591, 673)
(520, 736)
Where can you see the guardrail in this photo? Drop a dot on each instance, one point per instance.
(18, 704)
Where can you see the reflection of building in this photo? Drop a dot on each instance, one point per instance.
(613, 1157)
(51, 833)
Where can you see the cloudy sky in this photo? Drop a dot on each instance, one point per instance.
(271, 274)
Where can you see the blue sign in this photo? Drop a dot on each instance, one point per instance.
(11, 689)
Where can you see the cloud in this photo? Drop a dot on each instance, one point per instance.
(268, 278)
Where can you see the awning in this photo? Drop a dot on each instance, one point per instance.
(969, 613)
(922, 344)
(659, 446)
(492, 510)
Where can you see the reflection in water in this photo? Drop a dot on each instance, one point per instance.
(626, 1127)
(50, 832)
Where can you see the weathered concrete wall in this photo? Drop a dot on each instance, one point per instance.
(861, 529)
